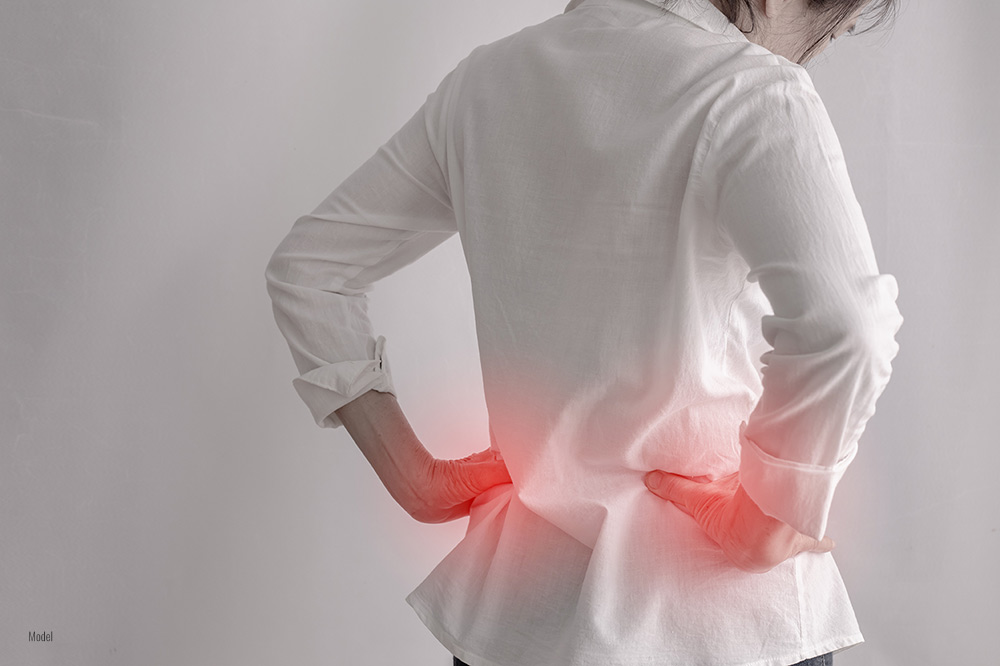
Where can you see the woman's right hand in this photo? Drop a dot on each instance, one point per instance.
(752, 540)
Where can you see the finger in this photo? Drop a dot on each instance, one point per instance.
(481, 476)
(807, 544)
(483, 456)
(680, 490)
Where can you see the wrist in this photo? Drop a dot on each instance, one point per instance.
(380, 429)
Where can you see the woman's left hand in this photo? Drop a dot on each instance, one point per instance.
(752, 540)
(447, 488)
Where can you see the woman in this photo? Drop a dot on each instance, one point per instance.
(649, 198)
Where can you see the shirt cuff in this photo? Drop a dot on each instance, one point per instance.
(330, 387)
(795, 493)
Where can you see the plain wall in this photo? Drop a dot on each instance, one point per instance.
(166, 499)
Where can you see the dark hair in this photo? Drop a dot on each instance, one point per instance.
(834, 13)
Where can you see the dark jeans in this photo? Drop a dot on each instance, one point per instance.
(822, 660)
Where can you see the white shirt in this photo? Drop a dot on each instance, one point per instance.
(649, 204)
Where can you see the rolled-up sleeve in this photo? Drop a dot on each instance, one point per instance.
(783, 197)
(394, 209)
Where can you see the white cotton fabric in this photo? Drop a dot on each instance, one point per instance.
(670, 270)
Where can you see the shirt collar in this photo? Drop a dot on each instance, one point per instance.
(700, 12)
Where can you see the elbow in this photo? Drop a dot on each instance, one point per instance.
(854, 331)
(295, 270)
(880, 320)
(278, 278)
(273, 271)
(278, 271)
(870, 334)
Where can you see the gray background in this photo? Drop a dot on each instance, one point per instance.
(166, 498)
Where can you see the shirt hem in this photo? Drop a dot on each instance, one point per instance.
(451, 644)
(441, 634)
(834, 645)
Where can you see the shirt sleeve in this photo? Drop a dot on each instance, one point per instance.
(784, 199)
(394, 209)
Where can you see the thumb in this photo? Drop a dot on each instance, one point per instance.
(808, 544)
(824, 546)
(680, 490)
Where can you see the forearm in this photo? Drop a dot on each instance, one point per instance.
(821, 383)
(378, 426)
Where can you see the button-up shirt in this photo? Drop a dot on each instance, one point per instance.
(669, 270)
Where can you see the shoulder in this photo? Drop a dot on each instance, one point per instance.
(768, 95)
(768, 130)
